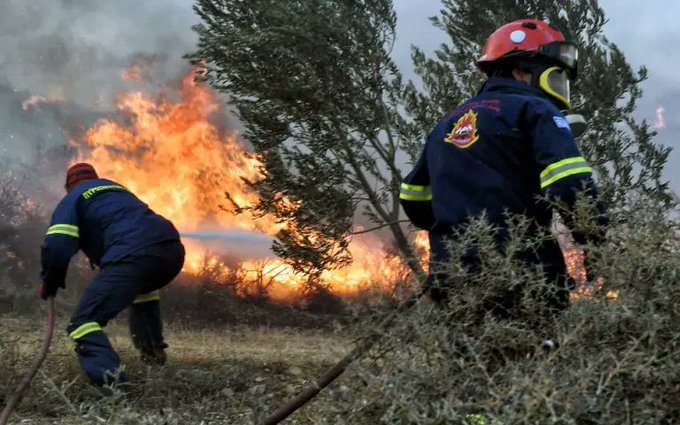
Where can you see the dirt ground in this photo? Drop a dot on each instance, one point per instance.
(233, 375)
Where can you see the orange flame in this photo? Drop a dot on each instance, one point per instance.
(574, 258)
(174, 157)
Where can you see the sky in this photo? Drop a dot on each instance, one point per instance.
(76, 50)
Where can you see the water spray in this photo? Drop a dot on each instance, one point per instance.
(228, 236)
(240, 244)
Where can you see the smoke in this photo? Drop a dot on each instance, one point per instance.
(68, 56)
(77, 50)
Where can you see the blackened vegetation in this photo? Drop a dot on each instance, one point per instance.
(226, 299)
(21, 228)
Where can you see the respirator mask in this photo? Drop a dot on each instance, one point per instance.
(554, 75)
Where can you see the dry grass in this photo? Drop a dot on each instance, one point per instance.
(217, 376)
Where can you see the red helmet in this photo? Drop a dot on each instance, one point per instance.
(79, 172)
(528, 37)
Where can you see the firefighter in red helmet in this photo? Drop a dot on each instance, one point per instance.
(137, 251)
(506, 150)
(540, 52)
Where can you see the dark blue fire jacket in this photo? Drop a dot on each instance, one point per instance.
(103, 219)
(497, 153)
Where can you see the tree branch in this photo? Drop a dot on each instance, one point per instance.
(379, 227)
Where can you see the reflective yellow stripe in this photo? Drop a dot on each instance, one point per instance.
(562, 163)
(63, 229)
(145, 298)
(567, 173)
(415, 188)
(93, 191)
(564, 168)
(411, 192)
(407, 197)
(85, 329)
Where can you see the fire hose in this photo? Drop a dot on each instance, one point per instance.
(332, 373)
(15, 397)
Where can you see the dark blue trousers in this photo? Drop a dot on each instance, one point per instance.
(548, 256)
(130, 281)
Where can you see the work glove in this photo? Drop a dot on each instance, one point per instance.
(49, 290)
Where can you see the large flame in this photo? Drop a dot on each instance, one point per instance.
(171, 153)
(173, 156)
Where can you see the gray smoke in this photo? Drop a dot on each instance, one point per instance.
(75, 52)
(77, 49)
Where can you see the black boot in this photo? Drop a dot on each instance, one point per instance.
(154, 356)
(146, 330)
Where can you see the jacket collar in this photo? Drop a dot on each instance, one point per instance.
(509, 85)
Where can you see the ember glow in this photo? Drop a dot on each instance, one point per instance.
(574, 258)
(171, 153)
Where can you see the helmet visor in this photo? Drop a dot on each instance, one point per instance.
(565, 53)
(555, 82)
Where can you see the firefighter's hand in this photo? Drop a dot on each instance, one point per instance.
(46, 290)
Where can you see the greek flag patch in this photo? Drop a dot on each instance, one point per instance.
(561, 122)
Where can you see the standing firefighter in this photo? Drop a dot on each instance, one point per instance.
(504, 150)
(138, 252)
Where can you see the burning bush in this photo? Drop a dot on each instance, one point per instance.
(222, 291)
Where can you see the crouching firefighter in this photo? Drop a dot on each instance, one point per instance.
(506, 150)
(137, 251)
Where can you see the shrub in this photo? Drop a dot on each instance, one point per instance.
(617, 362)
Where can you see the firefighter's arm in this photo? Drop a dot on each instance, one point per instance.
(415, 195)
(59, 246)
(564, 172)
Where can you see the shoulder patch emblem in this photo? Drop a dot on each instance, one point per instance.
(464, 133)
(561, 122)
